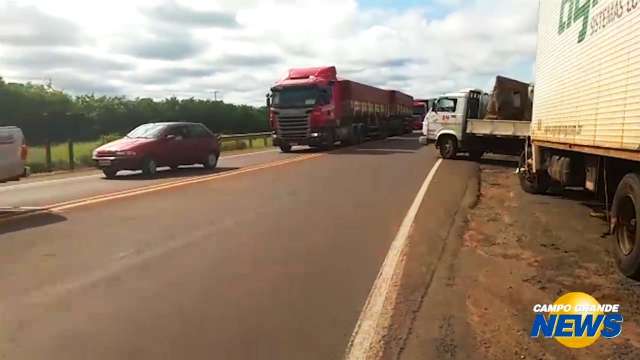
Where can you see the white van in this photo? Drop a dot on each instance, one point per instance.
(13, 154)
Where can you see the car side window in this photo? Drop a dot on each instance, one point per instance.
(199, 131)
(178, 132)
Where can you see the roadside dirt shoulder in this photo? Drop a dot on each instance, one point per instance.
(517, 250)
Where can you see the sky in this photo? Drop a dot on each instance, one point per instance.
(237, 49)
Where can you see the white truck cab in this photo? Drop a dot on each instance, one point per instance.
(457, 124)
(13, 154)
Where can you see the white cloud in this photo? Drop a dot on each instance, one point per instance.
(241, 47)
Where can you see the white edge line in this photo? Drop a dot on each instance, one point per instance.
(367, 332)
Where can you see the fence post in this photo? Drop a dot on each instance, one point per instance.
(250, 143)
(266, 141)
(72, 160)
(47, 155)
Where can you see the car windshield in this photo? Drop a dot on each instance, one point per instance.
(419, 110)
(295, 97)
(147, 131)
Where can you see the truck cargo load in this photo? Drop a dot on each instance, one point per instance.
(509, 101)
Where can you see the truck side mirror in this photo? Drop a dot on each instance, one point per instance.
(268, 100)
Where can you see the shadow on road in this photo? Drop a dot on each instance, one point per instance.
(185, 172)
(16, 224)
(499, 160)
(405, 144)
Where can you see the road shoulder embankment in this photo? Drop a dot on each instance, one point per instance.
(517, 250)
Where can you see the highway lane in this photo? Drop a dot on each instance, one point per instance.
(273, 264)
(43, 191)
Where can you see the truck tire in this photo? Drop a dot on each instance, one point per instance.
(448, 146)
(362, 134)
(476, 155)
(625, 215)
(357, 135)
(533, 183)
(329, 142)
(286, 148)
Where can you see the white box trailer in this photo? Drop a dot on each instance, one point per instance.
(585, 129)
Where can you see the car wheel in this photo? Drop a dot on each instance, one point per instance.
(110, 173)
(286, 148)
(626, 212)
(211, 162)
(149, 167)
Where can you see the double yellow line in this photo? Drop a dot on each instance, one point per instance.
(67, 205)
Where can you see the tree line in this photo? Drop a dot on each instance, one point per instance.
(46, 114)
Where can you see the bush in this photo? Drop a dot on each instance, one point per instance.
(105, 139)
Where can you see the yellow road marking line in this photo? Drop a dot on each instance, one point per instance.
(157, 187)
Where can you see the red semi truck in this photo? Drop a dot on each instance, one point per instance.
(313, 107)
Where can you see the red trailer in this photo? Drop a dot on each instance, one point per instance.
(401, 113)
(314, 107)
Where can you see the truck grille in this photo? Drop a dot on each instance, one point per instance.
(293, 124)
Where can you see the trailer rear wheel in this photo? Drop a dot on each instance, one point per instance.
(448, 147)
(626, 209)
(530, 182)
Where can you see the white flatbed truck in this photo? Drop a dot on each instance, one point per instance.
(457, 124)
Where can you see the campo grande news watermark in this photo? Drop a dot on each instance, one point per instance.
(577, 320)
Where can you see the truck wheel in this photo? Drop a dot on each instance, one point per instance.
(448, 147)
(626, 209)
(149, 167)
(360, 135)
(532, 183)
(286, 148)
(329, 142)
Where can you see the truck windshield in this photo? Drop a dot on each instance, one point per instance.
(446, 105)
(296, 97)
(419, 110)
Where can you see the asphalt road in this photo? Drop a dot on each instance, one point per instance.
(266, 259)
(43, 191)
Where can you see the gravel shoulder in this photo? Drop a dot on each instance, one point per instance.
(511, 251)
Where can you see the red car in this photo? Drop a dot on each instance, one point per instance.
(151, 146)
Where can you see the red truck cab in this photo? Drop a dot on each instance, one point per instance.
(314, 107)
(419, 112)
(304, 108)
